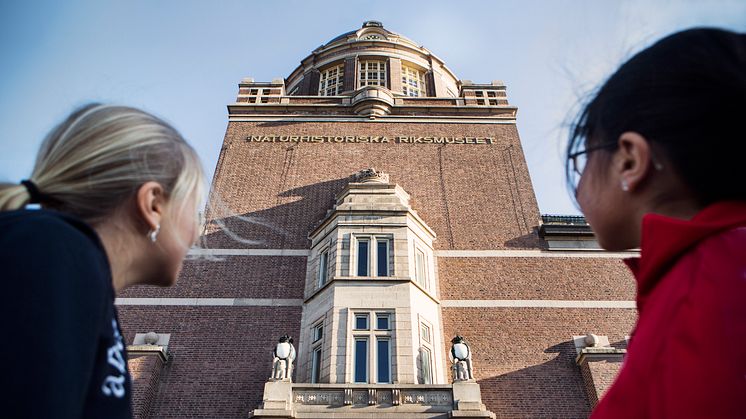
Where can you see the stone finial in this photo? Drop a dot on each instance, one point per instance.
(150, 338)
(371, 175)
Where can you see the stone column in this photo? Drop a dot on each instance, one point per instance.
(395, 75)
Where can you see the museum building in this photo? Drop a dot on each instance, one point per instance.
(373, 249)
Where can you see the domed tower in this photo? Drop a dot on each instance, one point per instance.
(374, 213)
(374, 72)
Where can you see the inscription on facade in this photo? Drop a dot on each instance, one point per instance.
(367, 139)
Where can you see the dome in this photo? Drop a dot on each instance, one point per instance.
(372, 56)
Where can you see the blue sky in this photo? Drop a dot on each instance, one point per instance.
(182, 60)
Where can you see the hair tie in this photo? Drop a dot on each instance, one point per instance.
(33, 191)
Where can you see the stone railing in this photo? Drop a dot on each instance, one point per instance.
(425, 397)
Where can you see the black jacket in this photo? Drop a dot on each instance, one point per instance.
(63, 355)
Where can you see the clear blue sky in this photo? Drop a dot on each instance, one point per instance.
(182, 60)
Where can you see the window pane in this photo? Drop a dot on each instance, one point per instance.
(384, 361)
(427, 375)
(323, 268)
(318, 333)
(361, 322)
(361, 360)
(382, 321)
(362, 258)
(425, 332)
(316, 366)
(383, 258)
(419, 265)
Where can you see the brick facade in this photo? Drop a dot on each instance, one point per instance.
(230, 306)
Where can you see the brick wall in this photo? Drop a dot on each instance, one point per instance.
(220, 356)
(545, 278)
(524, 358)
(598, 375)
(462, 191)
(146, 372)
(233, 277)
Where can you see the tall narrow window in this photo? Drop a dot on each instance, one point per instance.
(425, 367)
(420, 268)
(323, 267)
(316, 365)
(382, 257)
(383, 361)
(413, 82)
(361, 360)
(363, 248)
(332, 81)
(372, 73)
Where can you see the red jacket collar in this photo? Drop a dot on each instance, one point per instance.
(664, 239)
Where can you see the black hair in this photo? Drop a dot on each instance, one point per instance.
(686, 94)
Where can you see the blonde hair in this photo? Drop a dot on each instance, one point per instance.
(99, 157)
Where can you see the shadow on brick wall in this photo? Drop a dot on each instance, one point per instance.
(552, 389)
(284, 226)
(530, 240)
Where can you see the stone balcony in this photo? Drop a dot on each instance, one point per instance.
(283, 399)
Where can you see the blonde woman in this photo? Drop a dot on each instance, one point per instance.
(119, 191)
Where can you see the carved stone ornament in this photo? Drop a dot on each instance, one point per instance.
(282, 359)
(371, 175)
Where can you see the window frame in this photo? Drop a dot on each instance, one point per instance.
(372, 264)
(373, 338)
(322, 277)
(364, 69)
(317, 346)
(326, 77)
(411, 74)
(429, 346)
(421, 268)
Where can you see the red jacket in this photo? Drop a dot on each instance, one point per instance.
(687, 355)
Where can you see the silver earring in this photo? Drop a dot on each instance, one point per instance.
(625, 186)
(153, 235)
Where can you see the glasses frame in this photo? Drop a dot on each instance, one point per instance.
(573, 157)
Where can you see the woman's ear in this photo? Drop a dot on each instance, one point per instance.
(632, 160)
(150, 203)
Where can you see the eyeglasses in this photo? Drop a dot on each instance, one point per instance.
(580, 158)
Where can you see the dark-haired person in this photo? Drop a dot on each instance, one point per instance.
(657, 160)
(119, 190)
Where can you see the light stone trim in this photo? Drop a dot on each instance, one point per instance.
(250, 252)
(533, 254)
(276, 302)
(210, 302)
(386, 119)
(538, 304)
(438, 253)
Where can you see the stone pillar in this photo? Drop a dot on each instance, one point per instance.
(467, 401)
(395, 75)
(350, 75)
(310, 83)
(599, 364)
(277, 401)
(145, 361)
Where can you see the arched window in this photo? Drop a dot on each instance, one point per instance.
(332, 81)
(413, 82)
(372, 73)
